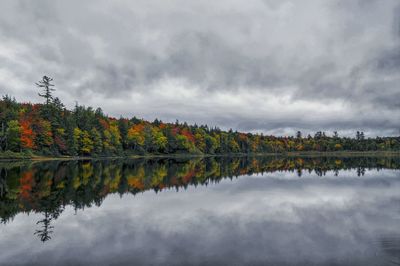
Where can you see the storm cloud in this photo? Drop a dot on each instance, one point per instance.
(261, 66)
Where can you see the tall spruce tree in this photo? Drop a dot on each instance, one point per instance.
(47, 89)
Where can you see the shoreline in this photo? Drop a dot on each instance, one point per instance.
(150, 156)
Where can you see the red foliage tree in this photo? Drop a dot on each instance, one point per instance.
(188, 135)
(27, 134)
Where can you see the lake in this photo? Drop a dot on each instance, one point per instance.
(201, 211)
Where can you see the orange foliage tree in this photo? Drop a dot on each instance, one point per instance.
(27, 134)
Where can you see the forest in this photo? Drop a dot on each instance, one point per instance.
(50, 129)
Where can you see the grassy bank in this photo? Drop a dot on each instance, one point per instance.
(343, 153)
(11, 156)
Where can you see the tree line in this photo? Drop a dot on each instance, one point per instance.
(51, 129)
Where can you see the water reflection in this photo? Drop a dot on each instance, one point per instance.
(391, 248)
(275, 220)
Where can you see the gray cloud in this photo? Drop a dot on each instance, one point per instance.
(343, 55)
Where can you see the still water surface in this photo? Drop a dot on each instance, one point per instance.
(201, 211)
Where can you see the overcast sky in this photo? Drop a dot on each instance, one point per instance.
(261, 66)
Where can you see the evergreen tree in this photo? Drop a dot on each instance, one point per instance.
(47, 89)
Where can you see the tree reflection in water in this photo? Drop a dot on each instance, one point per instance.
(47, 187)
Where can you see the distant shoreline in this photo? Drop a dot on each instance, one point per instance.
(21, 156)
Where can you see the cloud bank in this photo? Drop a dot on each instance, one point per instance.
(261, 66)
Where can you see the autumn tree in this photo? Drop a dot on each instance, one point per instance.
(211, 144)
(135, 137)
(97, 142)
(60, 140)
(86, 145)
(44, 135)
(183, 143)
(77, 134)
(27, 134)
(159, 141)
(13, 136)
